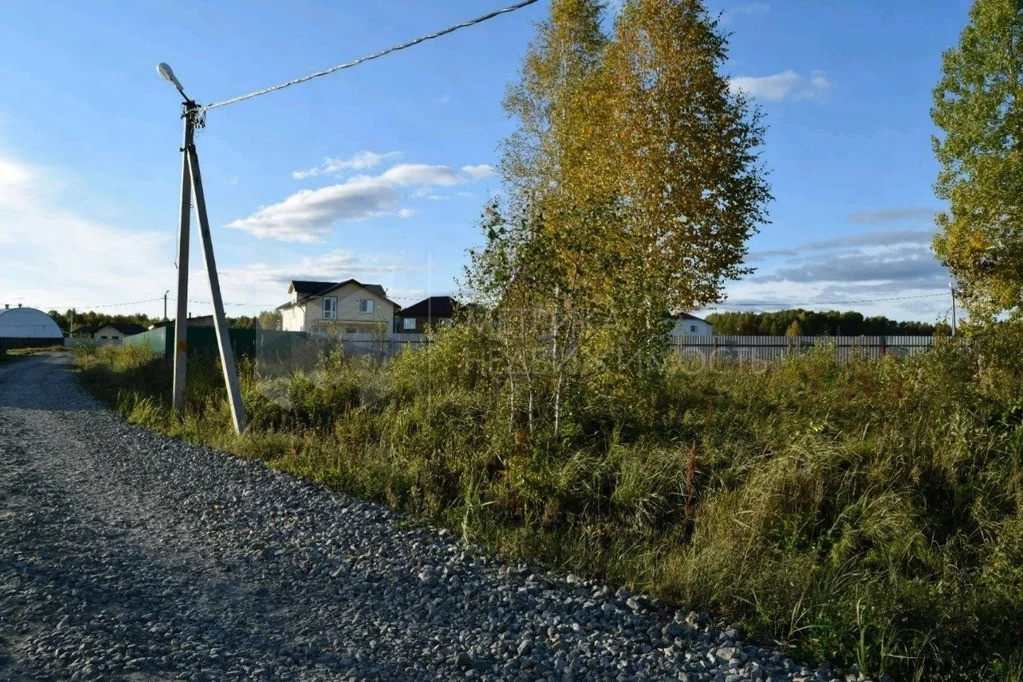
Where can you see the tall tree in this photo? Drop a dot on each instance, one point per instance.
(537, 261)
(686, 151)
(978, 105)
(632, 184)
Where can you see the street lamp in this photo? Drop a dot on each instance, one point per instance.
(167, 73)
(191, 186)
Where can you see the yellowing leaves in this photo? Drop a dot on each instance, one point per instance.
(978, 107)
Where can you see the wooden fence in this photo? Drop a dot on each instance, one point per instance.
(778, 347)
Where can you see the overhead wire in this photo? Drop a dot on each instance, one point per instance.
(376, 55)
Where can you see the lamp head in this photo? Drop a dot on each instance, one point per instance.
(167, 73)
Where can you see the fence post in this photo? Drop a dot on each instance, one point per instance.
(884, 345)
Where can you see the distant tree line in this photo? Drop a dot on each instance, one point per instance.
(268, 319)
(90, 318)
(799, 322)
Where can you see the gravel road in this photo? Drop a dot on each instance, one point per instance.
(127, 555)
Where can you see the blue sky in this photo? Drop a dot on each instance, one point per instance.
(379, 172)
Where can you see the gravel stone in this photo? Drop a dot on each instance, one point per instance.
(128, 555)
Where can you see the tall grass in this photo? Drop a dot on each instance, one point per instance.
(862, 513)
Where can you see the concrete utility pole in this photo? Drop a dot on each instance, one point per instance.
(234, 394)
(180, 325)
(191, 183)
(165, 305)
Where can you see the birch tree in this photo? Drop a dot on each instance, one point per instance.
(633, 181)
(979, 109)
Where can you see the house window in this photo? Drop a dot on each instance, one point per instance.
(351, 330)
(102, 337)
(366, 305)
(692, 328)
(409, 323)
(330, 307)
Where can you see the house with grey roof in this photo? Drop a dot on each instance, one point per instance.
(686, 324)
(348, 307)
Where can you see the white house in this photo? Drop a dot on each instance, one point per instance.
(348, 307)
(690, 324)
(109, 333)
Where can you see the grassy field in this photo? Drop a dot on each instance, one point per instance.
(863, 513)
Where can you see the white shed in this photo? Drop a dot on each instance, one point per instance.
(28, 323)
(686, 324)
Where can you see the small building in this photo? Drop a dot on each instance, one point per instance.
(113, 332)
(28, 328)
(200, 321)
(430, 312)
(348, 307)
(686, 324)
(84, 331)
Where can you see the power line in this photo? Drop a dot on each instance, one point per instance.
(109, 305)
(375, 55)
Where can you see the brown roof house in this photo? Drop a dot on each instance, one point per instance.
(435, 311)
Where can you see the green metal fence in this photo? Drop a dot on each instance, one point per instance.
(244, 342)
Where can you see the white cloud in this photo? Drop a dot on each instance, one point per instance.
(479, 172)
(407, 212)
(361, 161)
(309, 214)
(785, 85)
(900, 266)
(871, 272)
(60, 259)
(879, 238)
(13, 174)
(421, 174)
